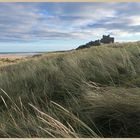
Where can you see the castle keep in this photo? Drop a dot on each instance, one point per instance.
(106, 39)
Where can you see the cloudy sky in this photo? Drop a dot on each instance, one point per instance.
(63, 26)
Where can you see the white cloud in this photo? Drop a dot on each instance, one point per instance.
(134, 20)
(36, 21)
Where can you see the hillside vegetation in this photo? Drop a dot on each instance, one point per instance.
(92, 92)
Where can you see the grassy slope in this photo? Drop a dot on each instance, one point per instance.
(86, 93)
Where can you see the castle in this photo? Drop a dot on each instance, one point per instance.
(106, 39)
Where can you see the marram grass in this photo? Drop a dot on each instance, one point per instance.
(92, 92)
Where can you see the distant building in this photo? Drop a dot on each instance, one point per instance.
(107, 39)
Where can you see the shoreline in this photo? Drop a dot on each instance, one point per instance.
(18, 55)
(12, 56)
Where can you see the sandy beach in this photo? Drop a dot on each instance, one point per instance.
(13, 56)
(17, 55)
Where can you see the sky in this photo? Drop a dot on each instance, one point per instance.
(34, 26)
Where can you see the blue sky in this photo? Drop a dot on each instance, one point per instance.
(63, 26)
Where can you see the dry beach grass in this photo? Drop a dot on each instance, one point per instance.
(93, 92)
